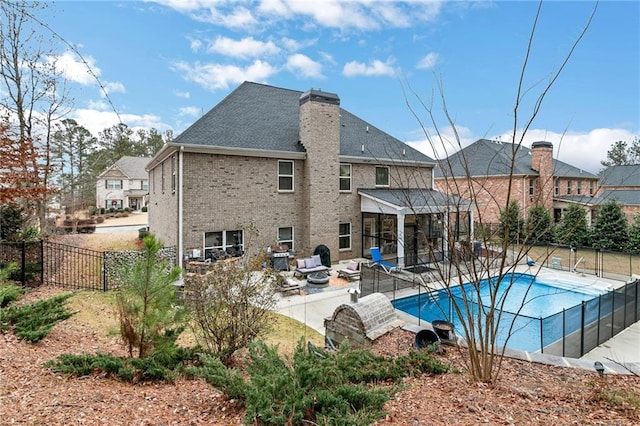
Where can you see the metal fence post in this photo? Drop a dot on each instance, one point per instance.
(105, 285)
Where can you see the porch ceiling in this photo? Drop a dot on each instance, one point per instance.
(409, 201)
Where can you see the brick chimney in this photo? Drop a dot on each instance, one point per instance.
(320, 136)
(542, 162)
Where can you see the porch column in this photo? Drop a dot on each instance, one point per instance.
(400, 245)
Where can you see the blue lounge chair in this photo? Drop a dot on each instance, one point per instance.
(376, 258)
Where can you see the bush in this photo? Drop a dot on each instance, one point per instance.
(316, 386)
(144, 209)
(33, 322)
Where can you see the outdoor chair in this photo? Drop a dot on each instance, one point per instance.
(556, 262)
(377, 260)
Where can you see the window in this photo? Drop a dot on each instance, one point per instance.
(568, 187)
(532, 187)
(579, 188)
(345, 177)
(113, 184)
(382, 176)
(344, 239)
(556, 187)
(591, 185)
(173, 173)
(285, 236)
(112, 204)
(223, 241)
(144, 185)
(285, 176)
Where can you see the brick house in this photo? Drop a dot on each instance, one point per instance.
(302, 171)
(481, 172)
(621, 183)
(123, 184)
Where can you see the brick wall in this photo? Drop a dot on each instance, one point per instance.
(163, 205)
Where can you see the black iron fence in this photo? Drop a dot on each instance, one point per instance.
(50, 263)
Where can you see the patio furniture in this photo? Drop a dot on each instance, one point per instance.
(310, 265)
(351, 272)
(377, 260)
(318, 279)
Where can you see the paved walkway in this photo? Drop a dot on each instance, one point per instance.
(134, 218)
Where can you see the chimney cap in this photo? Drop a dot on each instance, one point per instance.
(541, 144)
(319, 96)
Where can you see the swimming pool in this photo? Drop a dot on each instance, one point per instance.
(529, 299)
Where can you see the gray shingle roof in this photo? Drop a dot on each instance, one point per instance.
(620, 176)
(627, 197)
(493, 158)
(132, 167)
(261, 117)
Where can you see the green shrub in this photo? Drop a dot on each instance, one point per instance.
(316, 385)
(9, 293)
(144, 209)
(33, 322)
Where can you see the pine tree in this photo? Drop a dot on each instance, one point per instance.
(511, 223)
(539, 228)
(573, 229)
(610, 228)
(633, 243)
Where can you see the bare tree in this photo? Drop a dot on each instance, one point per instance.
(482, 314)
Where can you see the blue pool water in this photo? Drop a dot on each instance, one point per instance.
(527, 300)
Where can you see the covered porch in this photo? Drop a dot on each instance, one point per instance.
(413, 227)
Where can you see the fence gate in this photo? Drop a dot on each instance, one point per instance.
(74, 267)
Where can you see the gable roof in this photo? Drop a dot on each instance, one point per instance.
(131, 167)
(627, 175)
(266, 118)
(626, 197)
(493, 158)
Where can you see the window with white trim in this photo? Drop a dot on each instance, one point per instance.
(285, 236)
(382, 176)
(285, 176)
(113, 184)
(579, 188)
(556, 186)
(532, 187)
(144, 185)
(344, 237)
(591, 186)
(569, 187)
(345, 177)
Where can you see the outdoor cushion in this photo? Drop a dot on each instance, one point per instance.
(353, 266)
(301, 263)
(309, 263)
(316, 260)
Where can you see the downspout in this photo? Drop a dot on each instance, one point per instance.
(180, 206)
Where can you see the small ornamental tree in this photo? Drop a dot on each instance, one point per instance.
(511, 223)
(539, 228)
(146, 302)
(573, 230)
(609, 231)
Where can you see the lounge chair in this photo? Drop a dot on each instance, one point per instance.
(351, 272)
(377, 259)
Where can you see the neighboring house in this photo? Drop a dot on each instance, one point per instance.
(621, 183)
(482, 172)
(124, 184)
(300, 171)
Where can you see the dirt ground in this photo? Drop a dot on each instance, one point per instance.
(526, 394)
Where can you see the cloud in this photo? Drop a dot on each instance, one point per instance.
(441, 145)
(183, 95)
(429, 61)
(247, 47)
(584, 150)
(217, 76)
(189, 111)
(74, 69)
(299, 64)
(377, 67)
(97, 121)
(362, 15)
(114, 87)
